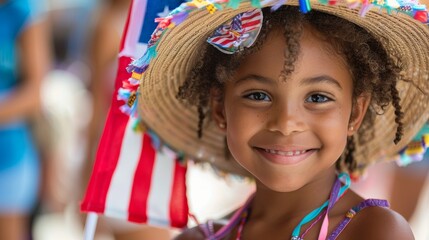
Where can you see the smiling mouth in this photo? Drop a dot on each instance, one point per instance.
(286, 153)
(285, 157)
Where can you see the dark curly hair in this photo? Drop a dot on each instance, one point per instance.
(373, 70)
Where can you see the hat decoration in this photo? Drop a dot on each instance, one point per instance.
(128, 93)
(239, 33)
(416, 150)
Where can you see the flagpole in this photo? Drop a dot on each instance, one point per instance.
(90, 226)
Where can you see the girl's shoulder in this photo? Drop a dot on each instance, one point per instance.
(191, 234)
(378, 223)
(197, 233)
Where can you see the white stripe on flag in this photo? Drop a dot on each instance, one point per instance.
(158, 209)
(119, 193)
(132, 47)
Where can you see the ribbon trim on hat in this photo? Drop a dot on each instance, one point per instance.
(416, 150)
(236, 35)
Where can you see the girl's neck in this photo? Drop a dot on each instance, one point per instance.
(271, 206)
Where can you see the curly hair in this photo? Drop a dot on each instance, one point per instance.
(373, 70)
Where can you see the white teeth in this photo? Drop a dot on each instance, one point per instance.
(287, 153)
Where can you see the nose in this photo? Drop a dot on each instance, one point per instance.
(286, 119)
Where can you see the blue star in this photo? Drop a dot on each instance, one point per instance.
(164, 13)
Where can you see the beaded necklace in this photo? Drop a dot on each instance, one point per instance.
(316, 215)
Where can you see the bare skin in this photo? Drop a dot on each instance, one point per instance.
(35, 62)
(371, 223)
(13, 226)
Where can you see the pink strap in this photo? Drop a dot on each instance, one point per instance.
(234, 220)
(324, 230)
(323, 234)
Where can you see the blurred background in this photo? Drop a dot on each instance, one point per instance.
(56, 102)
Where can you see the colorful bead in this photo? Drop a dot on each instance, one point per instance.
(351, 213)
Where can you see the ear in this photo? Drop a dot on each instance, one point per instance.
(217, 107)
(358, 113)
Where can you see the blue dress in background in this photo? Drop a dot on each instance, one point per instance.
(19, 162)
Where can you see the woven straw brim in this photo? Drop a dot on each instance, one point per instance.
(178, 50)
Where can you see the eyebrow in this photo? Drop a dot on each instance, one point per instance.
(321, 79)
(308, 81)
(258, 78)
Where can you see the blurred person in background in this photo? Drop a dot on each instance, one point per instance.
(24, 61)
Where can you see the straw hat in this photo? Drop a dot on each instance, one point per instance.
(174, 47)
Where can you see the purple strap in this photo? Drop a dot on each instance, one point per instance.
(352, 212)
(207, 229)
(232, 222)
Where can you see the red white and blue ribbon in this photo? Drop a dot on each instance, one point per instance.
(241, 32)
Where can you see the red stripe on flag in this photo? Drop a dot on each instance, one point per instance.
(246, 16)
(251, 24)
(225, 40)
(107, 153)
(142, 182)
(178, 203)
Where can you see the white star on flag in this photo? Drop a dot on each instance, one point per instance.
(164, 13)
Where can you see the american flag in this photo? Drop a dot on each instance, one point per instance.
(132, 180)
(243, 29)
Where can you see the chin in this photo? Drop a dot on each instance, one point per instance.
(285, 189)
(282, 186)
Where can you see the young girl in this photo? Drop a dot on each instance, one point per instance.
(299, 101)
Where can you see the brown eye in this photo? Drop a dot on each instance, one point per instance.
(318, 98)
(258, 96)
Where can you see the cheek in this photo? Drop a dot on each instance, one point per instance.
(331, 128)
(242, 125)
(240, 118)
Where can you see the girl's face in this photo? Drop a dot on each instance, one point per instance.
(287, 133)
